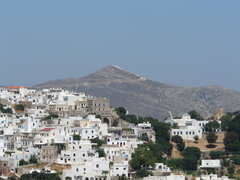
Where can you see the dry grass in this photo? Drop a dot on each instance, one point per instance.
(202, 143)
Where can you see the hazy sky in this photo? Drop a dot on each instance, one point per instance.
(187, 43)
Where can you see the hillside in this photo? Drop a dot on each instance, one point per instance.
(149, 98)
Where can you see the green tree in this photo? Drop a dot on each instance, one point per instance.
(98, 116)
(33, 159)
(121, 112)
(176, 139)
(225, 120)
(192, 151)
(230, 137)
(40, 176)
(195, 115)
(144, 137)
(196, 138)
(211, 137)
(143, 157)
(19, 107)
(101, 153)
(3, 109)
(142, 173)
(215, 154)
(231, 169)
(190, 163)
(236, 160)
(98, 141)
(181, 146)
(68, 178)
(211, 126)
(175, 163)
(76, 137)
(22, 162)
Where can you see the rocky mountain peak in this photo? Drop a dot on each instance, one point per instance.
(112, 72)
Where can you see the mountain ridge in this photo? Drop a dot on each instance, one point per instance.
(145, 97)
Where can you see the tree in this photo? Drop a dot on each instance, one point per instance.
(98, 116)
(179, 141)
(22, 162)
(195, 115)
(19, 107)
(3, 109)
(190, 163)
(215, 154)
(39, 176)
(211, 126)
(231, 169)
(144, 137)
(211, 137)
(142, 173)
(181, 146)
(196, 138)
(225, 120)
(101, 153)
(33, 159)
(98, 141)
(76, 137)
(121, 112)
(230, 137)
(176, 139)
(192, 151)
(143, 157)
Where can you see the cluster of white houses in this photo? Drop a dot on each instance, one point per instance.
(28, 132)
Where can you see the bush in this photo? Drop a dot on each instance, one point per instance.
(211, 137)
(181, 146)
(231, 170)
(236, 159)
(190, 163)
(215, 154)
(33, 159)
(142, 173)
(175, 163)
(19, 107)
(101, 153)
(192, 151)
(76, 137)
(176, 139)
(22, 162)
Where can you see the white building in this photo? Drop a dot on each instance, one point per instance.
(170, 177)
(212, 177)
(187, 127)
(210, 164)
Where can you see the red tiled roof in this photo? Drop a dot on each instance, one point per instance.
(47, 129)
(16, 87)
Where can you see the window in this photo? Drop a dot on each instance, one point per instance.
(97, 166)
(74, 154)
(83, 155)
(77, 169)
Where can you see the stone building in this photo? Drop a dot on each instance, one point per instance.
(49, 153)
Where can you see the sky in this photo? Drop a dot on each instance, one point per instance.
(186, 43)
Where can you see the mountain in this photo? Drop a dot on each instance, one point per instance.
(149, 98)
